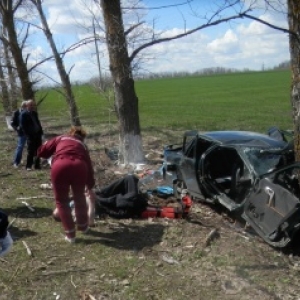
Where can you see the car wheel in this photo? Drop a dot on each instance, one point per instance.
(178, 187)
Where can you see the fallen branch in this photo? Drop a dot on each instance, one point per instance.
(160, 274)
(34, 197)
(92, 297)
(28, 206)
(170, 260)
(138, 268)
(9, 225)
(65, 271)
(27, 248)
(73, 282)
(210, 237)
(15, 273)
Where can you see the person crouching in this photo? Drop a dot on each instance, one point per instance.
(71, 167)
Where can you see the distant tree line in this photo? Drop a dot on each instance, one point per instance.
(107, 80)
(286, 65)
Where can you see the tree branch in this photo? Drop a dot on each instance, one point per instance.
(160, 7)
(17, 6)
(272, 26)
(133, 27)
(178, 36)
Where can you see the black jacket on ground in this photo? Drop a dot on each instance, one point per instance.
(121, 199)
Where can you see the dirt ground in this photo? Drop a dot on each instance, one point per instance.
(208, 255)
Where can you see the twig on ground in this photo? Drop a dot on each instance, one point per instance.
(34, 197)
(92, 297)
(65, 271)
(15, 273)
(210, 237)
(73, 282)
(27, 205)
(170, 260)
(160, 274)
(12, 221)
(138, 268)
(27, 248)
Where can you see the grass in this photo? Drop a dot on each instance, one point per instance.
(242, 101)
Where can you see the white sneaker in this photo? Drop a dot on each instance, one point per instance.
(28, 169)
(16, 166)
(70, 240)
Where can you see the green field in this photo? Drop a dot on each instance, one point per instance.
(242, 101)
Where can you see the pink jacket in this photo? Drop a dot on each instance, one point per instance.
(69, 147)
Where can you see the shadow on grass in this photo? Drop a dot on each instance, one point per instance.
(17, 233)
(127, 237)
(24, 212)
(5, 175)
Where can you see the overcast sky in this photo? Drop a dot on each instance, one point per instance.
(239, 44)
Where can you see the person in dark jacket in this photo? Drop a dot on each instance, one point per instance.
(15, 124)
(6, 241)
(32, 128)
(71, 167)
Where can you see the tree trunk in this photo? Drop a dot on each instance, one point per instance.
(126, 100)
(5, 94)
(13, 91)
(294, 41)
(64, 77)
(7, 13)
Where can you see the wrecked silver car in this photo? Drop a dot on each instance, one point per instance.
(250, 173)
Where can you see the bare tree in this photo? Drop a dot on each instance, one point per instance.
(121, 64)
(7, 11)
(64, 76)
(126, 99)
(12, 78)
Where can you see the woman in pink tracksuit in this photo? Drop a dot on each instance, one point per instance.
(71, 167)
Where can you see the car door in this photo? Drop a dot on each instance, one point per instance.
(273, 208)
(188, 168)
(190, 165)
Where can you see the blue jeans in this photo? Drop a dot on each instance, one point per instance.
(19, 149)
(5, 244)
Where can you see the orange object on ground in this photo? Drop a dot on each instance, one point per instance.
(169, 212)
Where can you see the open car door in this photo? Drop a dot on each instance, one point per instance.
(273, 208)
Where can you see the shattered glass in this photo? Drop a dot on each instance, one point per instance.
(262, 162)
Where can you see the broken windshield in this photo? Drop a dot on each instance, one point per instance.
(262, 162)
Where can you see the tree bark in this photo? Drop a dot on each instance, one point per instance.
(126, 100)
(294, 26)
(7, 12)
(14, 90)
(64, 77)
(5, 94)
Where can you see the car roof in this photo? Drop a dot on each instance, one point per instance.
(246, 138)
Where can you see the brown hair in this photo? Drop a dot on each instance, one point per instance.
(78, 131)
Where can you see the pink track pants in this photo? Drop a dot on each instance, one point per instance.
(71, 173)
